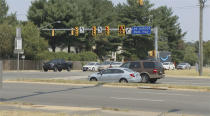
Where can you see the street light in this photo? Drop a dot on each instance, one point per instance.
(40, 28)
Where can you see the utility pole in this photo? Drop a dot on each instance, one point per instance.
(202, 5)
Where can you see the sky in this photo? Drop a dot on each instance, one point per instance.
(186, 10)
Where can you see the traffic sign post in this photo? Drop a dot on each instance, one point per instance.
(1, 75)
(18, 46)
(141, 30)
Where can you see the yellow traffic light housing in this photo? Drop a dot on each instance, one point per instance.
(121, 30)
(72, 32)
(107, 30)
(94, 31)
(152, 53)
(53, 33)
(76, 31)
(141, 2)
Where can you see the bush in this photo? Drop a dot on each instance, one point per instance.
(88, 56)
(84, 56)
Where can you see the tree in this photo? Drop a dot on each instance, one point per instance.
(33, 44)
(207, 52)
(190, 55)
(3, 10)
(132, 14)
(170, 32)
(7, 36)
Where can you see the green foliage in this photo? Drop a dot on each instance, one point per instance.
(32, 42)
(3, 10)
(207, 52)
(83, 56)
(90, 13)
(190, 55)
(88, 56)
(7, 36)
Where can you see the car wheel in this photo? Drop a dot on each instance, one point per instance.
(153, 80)
(123, 81)
(93, 79)
(59, 70)
(145, 78)
(45, 70)
(55, 69)
(68, 69)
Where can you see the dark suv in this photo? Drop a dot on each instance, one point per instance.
(150, 71)
(57, 64)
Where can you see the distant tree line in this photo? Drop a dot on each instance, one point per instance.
(90, 13)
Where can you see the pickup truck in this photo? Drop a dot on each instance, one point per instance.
(57, 65)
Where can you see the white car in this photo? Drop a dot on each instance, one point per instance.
(92, 66)
(116, 64)
(168, 66)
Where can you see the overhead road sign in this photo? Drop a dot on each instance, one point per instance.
(143, 30)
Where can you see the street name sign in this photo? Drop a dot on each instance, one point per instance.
(141, 30)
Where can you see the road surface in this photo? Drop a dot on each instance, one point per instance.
(197, 103)
(83, 76)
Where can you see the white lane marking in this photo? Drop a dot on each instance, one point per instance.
(170, 94)
(135, 99)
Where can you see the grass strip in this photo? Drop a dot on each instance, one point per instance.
(134, 85)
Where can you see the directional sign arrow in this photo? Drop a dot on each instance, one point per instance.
(82, 30)
(128, 31)
(100, 30)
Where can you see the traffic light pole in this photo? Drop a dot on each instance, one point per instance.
(156, 43)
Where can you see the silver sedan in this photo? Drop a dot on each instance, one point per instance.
(122, 75)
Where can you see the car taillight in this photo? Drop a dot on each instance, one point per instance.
(132, 75)
(155, 71)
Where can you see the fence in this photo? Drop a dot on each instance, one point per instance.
(35, 65)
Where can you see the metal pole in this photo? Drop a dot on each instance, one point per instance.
(1, 75)
(18, 62)
(156, 43)
(202, 5)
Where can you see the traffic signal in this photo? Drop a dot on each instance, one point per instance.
(152, 53)
(141, 2)
(94, 31)
(121, 30)
(107, 30)
(53, 33)
(72, 32)
(76, 31)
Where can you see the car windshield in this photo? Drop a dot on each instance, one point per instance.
(116, 63)
(91, 63)
(182, 64)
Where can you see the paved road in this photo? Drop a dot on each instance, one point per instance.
(197, 103)
(84, 75)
